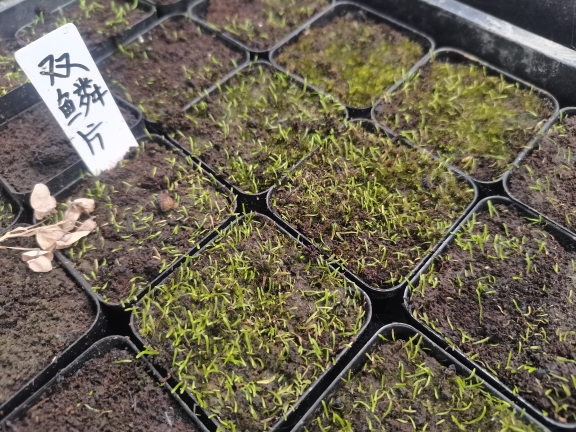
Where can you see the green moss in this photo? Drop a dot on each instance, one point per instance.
(401, 387)
(478, 122)
(378, 206)
(257, 127)
(355, 58)
(248, 325)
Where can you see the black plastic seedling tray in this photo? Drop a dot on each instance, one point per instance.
(65, 193)
(374, 291)
(96, 330)
(99, 349)
(400, 332)
(340, 9)
(563, 238)
(563, 113)
(105, 48)
(315, 387)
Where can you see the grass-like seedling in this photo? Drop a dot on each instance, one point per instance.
(377, 205)
(168, 68)
(504, 293)
(7, 211)
(150, 209)
(354, 57)
(11, 75)
(260, 23)
(402, 388)
(256, 127)
(250, 324)
(545, 179)
(96, 22)
(476, 121)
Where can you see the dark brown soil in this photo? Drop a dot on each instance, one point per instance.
(11, 75)
(171, 66)
(514, 315)
(411, 385)
(137, 239)
(275, 318)
(110, 393)
(546, 179)
(354, 56)
(95, 27)
(41, 314)
(261, 23)
(34, 148)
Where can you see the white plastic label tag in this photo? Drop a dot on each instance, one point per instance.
(66, 77)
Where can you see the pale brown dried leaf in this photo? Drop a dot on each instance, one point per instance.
(69, 239)
(41, 201)
(47, 238)
(88, 225)
(33, 254)
(86, 204)
(40, 264)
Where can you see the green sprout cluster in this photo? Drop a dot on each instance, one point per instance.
(401, 387)
(355, 58)
(257, 127)
(95, 21)
(11, 75)
(545, 179)
(166, 70)
(504, 293)
(476, 121)
(7, 212)
(250, 324)
(261, 23)
(137, 240)
(377, 205)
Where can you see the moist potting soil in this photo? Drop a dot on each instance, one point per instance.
(168, 67)
(504, 294)
(257, 127)
(402, 388)
(260, 23)
(41, 314)
(477, 121)
(250, 324)
(112, 392)
(545, 179)
(378, 206)
(150, 210)
(354, 56)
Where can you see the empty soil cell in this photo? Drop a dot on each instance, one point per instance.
(111, 392)
(169, 67)
(504, 294)
(402, 388)
(35, 149)
(273, 124)
(96, 21)
(41, 314)
(478, 122)
(150, 210)
(11, 76)
(545, 179)
(355, 57)
(250, 324)
(259, 24)
(378, 206)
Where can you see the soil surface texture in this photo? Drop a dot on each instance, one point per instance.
(354, 56)
(34, 148)
(11, 75)
(249, 325)
(150, 209)
(478, 122)
(504, 293)
(274, 124)
(96, 21)
(259, 24)
(168, 68)
(41, 314)
(546, 179)
(401, 388)
(113, 392)
(378, 206)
